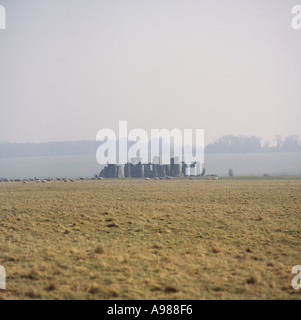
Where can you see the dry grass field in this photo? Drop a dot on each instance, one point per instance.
(138, 239)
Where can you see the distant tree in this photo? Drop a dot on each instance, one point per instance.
(292, 144)
(279, 144)
(231, 173)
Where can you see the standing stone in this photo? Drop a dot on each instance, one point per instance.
(148, 170)
(127, 170)
(140, 170)
(155, 170)
(167, 169)
(161, 171)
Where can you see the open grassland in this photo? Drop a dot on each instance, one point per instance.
(138, 239)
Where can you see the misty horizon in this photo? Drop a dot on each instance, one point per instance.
(270, 143)
(224, 144)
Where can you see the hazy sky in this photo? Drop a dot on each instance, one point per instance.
(71, 67)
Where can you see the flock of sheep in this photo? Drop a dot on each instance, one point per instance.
(190, 178)
(24, 181)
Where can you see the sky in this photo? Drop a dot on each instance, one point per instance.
(70, 68)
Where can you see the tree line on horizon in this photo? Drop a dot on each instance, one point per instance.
(253, 144)
(225, 144)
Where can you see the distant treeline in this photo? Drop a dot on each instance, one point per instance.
(243, 144)
(225, 144)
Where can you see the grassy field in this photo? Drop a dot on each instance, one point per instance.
(138, 239)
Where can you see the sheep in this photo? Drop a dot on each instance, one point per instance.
(215, 178)
(146, 178)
